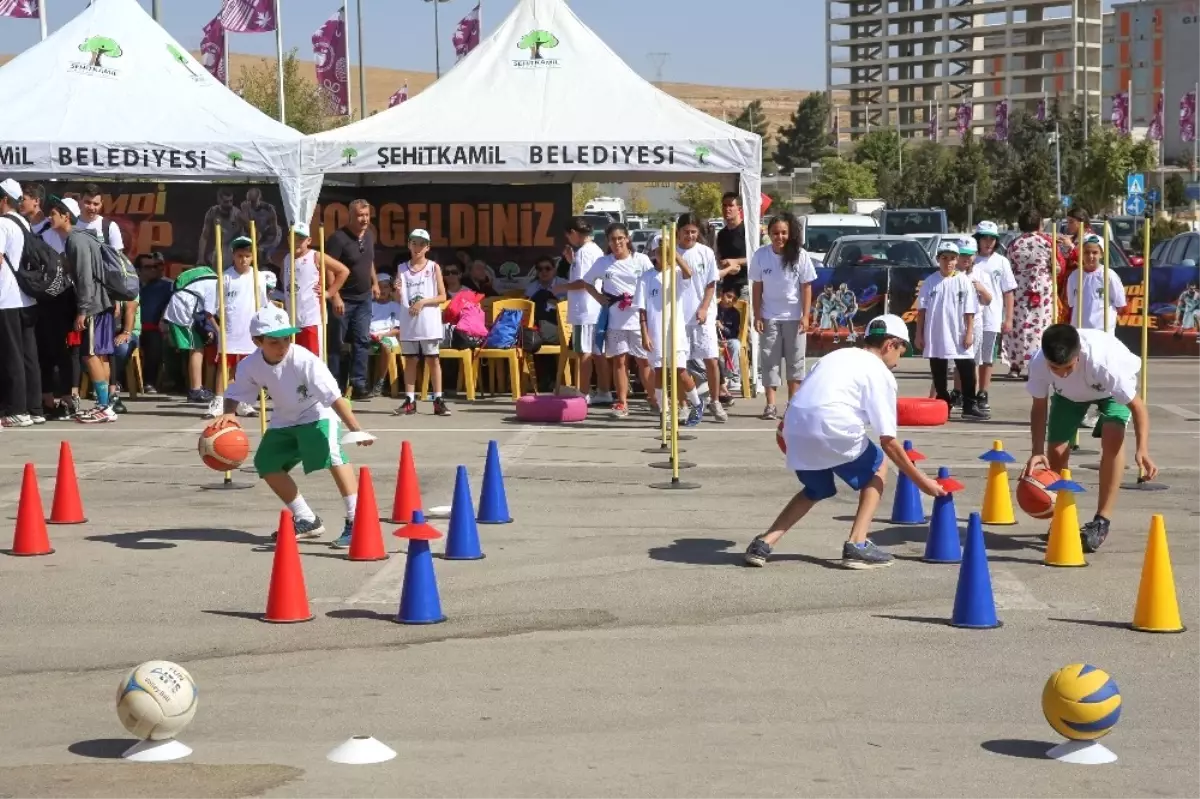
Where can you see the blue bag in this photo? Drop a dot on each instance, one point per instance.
(503, 335)
(601, 329)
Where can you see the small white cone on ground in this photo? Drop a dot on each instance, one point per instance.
(157, 751)
(361, 750)
(438, 512)
(1082, 753)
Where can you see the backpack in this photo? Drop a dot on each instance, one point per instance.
(104, 228)
(41, 275)
(471, 321)
(117, 275)
(504, 331)
(182, 285)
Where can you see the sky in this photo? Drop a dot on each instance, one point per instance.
(782, 47)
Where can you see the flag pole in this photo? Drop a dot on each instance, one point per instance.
(279, 55)
(349, 79)
(42, 18)
(362, 69)
(225, 53)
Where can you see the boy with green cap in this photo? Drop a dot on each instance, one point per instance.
(242, 301)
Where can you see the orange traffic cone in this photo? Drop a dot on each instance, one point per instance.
(1065, 547)
(408, 489)
(1157, 609)
(287, 601)
(30, 537)
(68, 506)
(366, 536)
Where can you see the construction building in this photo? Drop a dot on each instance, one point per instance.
(898, 59)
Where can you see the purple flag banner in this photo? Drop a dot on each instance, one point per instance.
(1120, 112)
(1002, 120)
(212, 50)
(466, 35)
(1187, 117)
(248, 16)
(399, 96)
(963, 117)
(1155, 133)
(330, 53)
(1041, 110)
(21, 9)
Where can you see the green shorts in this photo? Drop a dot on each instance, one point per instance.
(1066, 416)
(316, 445)
(183, 338)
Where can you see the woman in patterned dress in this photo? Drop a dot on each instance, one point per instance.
(1030, 255)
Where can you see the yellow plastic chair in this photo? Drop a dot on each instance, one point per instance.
(466, 369)
(743, 308)
(513, 356)
(566, 353)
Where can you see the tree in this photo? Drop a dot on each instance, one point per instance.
(581, 193)
(534, 41)
(967, 181)
(925, 177)
(753, 118)
(101, 46)
(806, 139)
(838, 181)
(638, 204)
(880, 148)
(305, 106)
(1175, 191)
(702, 199)
(1111, 157)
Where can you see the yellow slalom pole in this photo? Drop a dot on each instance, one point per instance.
(324, 336)
(674, 366)
(662, 255)
(224, 366)
(292, 271)
(262, 394)
(1145, 321)
(1107, 239)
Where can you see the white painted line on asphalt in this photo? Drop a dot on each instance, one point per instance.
(1012, 594)
(1183, 413)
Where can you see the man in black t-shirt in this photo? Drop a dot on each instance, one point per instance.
(353, 245)
(731, 247)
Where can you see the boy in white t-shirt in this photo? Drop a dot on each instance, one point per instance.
(1090, 312)
(649, 298)
(1075, 370)
(420, 290)
(967, 250)
(308, 301)
(825, 429)
(240, 306)
(946, 307)
(307, 417)
(998, 316)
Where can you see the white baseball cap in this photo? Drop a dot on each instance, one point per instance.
(269, 280)
(947, 245)
(986, 228)
(967, 247)
(11, 188)
(66, 202)
(272, 322)
(889, 324)
(301, 230)
(420, 233)
(384, 277)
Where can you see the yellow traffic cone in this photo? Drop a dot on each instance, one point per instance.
(1157, 609)
(997, 497)
(1065, 547)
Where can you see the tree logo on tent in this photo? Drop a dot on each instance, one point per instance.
(182, 58)
(702, 153)
(99, 48)
(535, 42)
(349, 154)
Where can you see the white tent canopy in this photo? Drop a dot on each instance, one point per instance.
(112, 95)
(521, 108)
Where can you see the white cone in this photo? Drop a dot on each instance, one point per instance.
(1083, 753)
(361, 750)
(157, 751)
(438, 512)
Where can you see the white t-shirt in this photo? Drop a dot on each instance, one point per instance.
(1093, 299)
(782, 298)
(649, 298)
(12, 244)
(240, 309)
(182, 306)
(308, 288)
(300, 386)
(55, 239)
(826, 421)
(703, 263)
(945, 300)
(999, 270)
(619, 277)
(1106, 368)
(108, 226)
(412, 286)
(385, 316)
(582, 308)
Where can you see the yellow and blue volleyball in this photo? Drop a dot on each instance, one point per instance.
(1081, 702)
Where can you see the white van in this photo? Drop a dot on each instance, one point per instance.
(613, 206)
(820, 231)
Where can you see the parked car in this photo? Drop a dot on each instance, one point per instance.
(640, 239)
(820, 231)
(1181, 250)
(912, 221)
(878, 250)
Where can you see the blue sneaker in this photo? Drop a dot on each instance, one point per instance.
(695, 416)
(305, 529)
(343, 541)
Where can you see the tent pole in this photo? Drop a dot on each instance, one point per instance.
(362, 69)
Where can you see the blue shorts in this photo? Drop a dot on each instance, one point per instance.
(818, 484)
(98, 334)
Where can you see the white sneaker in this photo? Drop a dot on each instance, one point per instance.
(735, 384)
(719, 412)
(215, 407)
(246, 409)
(101, 414)
(1090, 418)
(19, 420)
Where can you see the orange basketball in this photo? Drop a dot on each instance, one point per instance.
(1032, 495)
(224, 449)
(779, 438)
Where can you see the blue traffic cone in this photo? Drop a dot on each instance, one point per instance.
(462, 542)
(419, 600)
(941, 545)
(974, 605)
(906, 507)
(493, 504)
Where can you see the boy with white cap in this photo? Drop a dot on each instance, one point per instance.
(1087, 307)
(308, 413)
(825, 430)
(240, 306)
(308, 299)
(946, 308)
(998, 315)
(420, 291)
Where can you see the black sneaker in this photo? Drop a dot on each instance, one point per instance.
(408, 408)
(976, 414)
(981, 401)
(381, 387)
(118, 406)
(956, 398)
(1093, 534)
(439, 407)
(757, 553)
(868, 556)
(73, 406)
(305, 528)
(361, 394)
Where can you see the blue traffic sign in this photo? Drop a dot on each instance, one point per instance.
(1135, 184)
(1192, 192)
(1066, 201)
(1135, 205)
(1152, 197)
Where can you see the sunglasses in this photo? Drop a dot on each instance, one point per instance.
(545, 268)
(452, 273)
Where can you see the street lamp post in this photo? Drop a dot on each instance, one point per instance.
(437, 36)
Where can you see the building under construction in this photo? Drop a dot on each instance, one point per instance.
(898, 61)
